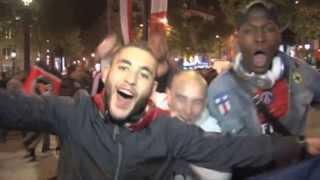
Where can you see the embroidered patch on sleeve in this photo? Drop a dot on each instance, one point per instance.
(223, 104)
(297, 78)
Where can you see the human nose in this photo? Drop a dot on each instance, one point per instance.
(260, 36)
(188, 112)
(132, 78)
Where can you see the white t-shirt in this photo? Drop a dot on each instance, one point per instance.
(208, 123)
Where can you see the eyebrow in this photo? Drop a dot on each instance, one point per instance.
(178, 94)
(144, 68)
(181, 95)
(147, 69)
(125, 61)
(269, 22)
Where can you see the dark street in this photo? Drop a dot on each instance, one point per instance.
(13, 165)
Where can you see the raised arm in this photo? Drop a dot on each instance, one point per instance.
(39, 113)
(225, 152)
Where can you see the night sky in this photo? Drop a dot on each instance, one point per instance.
(87, 11)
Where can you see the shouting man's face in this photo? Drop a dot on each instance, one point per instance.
(129, 82)
(259, 38)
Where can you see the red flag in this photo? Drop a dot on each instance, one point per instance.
(125, 20)
(158, 17)
(36, 73)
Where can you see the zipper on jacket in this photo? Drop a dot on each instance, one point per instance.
(116, 133)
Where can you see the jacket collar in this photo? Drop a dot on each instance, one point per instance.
(151, 113)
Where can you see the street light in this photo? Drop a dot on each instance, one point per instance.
(26, 25)
(13, 56)
(26, 2)
(219, 45)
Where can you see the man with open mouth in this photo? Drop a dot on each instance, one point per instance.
(129, 85)
(126, 138)
(266, 91)
(261, 73)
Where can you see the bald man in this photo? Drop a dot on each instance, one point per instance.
(187, 100)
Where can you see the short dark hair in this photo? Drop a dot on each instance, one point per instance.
(141, 45)
(268, 7)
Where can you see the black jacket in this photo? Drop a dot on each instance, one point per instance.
(95, 149)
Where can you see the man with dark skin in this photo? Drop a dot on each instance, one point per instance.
(103, 145)
(259, 38)
(266, 91)
(270, 84)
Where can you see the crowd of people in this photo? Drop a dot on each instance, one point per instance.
(152, 120)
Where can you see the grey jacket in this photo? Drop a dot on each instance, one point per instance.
(95, 149)
(240, 116)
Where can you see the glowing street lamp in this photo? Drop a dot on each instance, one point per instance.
(26, 2)
(26, 24)
(164, 21)
(13, 56)
(219, 45)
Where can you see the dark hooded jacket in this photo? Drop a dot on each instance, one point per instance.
(93, 148)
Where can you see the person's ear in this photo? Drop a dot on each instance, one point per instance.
(105, 73)
(154, 87)
(236, 33)
(170, 100)
(154, 91)
(280, 36)
(167, 91)
(169, 95)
